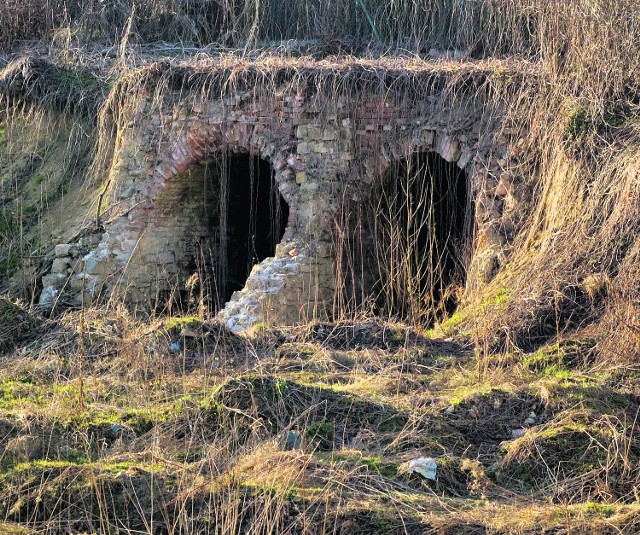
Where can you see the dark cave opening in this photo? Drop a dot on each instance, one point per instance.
(257, 216)
(243, 216)
(410, 241)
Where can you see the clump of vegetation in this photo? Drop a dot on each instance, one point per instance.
(561, 356)
(134, 418)
(16, 324)
(599, 468)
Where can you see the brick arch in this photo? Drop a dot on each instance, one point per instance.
(198, 143)
(486, 189)
(448, 146)
(318, 153)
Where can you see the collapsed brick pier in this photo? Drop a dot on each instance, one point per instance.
(160, 212)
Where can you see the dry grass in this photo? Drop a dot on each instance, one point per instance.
(209, 439)
(107, 430)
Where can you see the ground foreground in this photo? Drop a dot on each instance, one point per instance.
(112, 424)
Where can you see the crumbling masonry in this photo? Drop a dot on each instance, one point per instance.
(322, 149)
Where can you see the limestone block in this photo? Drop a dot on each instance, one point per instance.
(328, 134)
(164, 257)
(301, 177)
(62, 250)
(448, 148)
(427, 138)
(61, 265)
(465, 158)
(320, 148)
(48, 295)
(324, 250)
(289, 269)
(97, 265)
(305, 269)
(83, 282)
(304, 148)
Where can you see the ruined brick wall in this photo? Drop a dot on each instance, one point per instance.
(320, 150)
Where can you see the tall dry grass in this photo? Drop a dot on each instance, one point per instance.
(576, 110)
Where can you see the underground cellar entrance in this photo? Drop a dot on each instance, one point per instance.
(408, 242)
(244, 217)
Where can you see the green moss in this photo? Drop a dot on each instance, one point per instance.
(502, 297)
(139, 420)
(449, 326)
(322, 434)
(375, 464)
(568, 449)
(594, 508)
(465, 392)
(582, 120)
(579, 122)
(101, 466)
(559, 358)
(191, 322)
(45, 464)
(127, 466)
(18, 395)
(297, 350)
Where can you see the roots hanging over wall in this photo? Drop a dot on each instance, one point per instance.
(215, 222)
(252, 219)
(408, 242)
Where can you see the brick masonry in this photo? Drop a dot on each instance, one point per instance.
(320, 151)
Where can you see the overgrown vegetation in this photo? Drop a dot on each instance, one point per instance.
(254, 436)
(114, 423)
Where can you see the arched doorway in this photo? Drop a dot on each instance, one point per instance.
(226, 214)
(407, 242)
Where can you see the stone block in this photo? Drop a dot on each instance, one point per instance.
(63, 249)
(448, 148)
(61, 265)
(465, 158)
(48, 295)
(304, 148)
(320, 148)
(77, 283)
(329, 134)
(301, 177)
